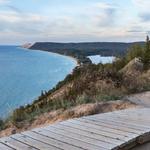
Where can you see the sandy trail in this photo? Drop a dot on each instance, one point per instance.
(142, 99)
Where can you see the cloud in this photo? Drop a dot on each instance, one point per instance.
(142, 4)
(4, 2)
(21, 23)
(90, 21)
(103, 5)
(142, 7)
(145, 17)
(104, 14)
(136, 31)
(15, 9)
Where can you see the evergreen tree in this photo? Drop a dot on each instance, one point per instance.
(136, 51)
(146, 55)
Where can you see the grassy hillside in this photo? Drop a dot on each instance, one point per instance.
(93, 83)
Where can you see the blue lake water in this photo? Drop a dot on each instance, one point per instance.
(25, 73)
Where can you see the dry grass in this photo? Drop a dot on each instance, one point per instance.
(74, 112)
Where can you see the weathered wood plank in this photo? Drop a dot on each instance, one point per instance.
(111, 126)
(121, 123)
(130, 122)
(133, 119)
(50, 141)
(68, 140)
(137, 114)
(5, 147)
(83, 138)
(118, 124)
(103, 128)
(16, 144)
(130, 112)
(33, 142)
(88, 134)
(100, 132)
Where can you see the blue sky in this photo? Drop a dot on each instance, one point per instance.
(73, 20)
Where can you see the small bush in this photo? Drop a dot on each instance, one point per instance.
(136, 51)
(2, 124)
(146, 55)
(83, 99)
(18, 115)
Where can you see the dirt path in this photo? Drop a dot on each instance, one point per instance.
(142, 99)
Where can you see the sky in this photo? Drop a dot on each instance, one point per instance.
(23, 21)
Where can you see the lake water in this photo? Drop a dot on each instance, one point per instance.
(96, 59)
(25, 73)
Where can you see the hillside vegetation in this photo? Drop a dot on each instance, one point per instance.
(80, 51)
(91, 83)
(86, 49)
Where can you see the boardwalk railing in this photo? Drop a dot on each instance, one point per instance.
(120, 130)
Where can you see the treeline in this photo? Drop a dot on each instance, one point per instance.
(86, 49)
(82, 50)
(142, 52)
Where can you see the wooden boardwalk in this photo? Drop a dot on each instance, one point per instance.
(120, 130)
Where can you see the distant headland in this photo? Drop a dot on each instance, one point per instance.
(80, 51)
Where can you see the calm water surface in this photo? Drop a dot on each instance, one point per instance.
(25, 73)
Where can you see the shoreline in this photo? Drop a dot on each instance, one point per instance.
(71, 57)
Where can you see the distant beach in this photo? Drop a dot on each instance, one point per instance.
(70, 57)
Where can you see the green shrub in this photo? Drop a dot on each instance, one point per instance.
(2, 124)
(83, 99)
(146, 55)
(136, 51)
(18, 115)
(119, 63)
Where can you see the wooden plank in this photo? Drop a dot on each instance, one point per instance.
(132, 122)
(5, 147)
(103, 128)
(134, 118)
(16, 144)
(83, 138)
(125, 123)
(138, 112)
(88, 134)
(100, 132)
(131, 143)
(118, 124)
(37, 144)
(50, 141)
(136, 115)
(68, 140)
(111, 121)
(111, 126)
(130, 112)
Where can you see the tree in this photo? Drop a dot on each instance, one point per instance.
(146, 55)
(136, 51)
